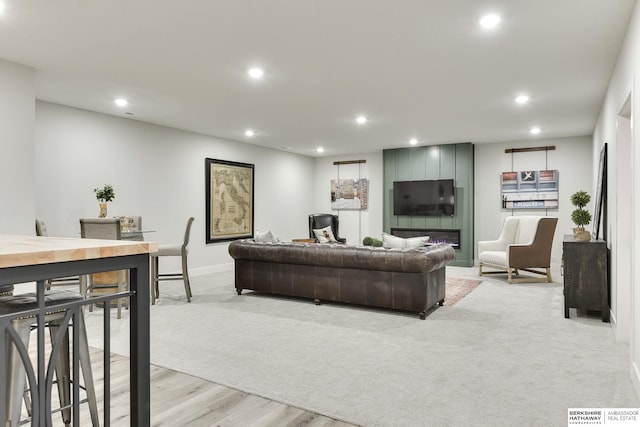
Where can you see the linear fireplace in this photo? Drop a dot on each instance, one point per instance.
(450, 236)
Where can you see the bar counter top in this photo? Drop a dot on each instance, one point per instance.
(20, 250)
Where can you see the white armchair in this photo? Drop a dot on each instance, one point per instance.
(524, 244)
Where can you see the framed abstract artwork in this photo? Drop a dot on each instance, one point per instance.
(349, 194)
(530, 189)
(229, 200)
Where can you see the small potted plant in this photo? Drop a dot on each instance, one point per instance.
(581, 216)
(104, 195)
(372, 241)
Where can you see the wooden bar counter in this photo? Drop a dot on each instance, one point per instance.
(35, 259)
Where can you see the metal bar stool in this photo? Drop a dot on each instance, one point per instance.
(58, 320)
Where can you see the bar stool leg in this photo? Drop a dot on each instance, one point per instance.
(15, 372)
(63, 366)
(185, 277)
(63, 376)
(154, 279)
(87, 373)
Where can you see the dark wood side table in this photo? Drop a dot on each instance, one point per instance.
(585, 275)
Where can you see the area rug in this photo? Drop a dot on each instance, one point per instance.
(458, 288)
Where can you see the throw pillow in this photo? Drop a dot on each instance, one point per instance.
(265, 237)
(416, 242)
(324, 235)
(390, 241)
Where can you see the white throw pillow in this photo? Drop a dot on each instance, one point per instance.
(416, 242)
(324, 235)
(265, 237)
(390, 241)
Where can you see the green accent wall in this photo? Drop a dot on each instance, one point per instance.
(434, 162)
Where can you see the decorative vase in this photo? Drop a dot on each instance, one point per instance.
(103, 210)
(581, 234)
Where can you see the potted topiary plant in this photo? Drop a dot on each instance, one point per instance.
(581, 216)
(104, 195)
(372, 241)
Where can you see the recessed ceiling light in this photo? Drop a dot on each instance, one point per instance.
(490, 20)
(361, 120)
(320, 150)
(121, 102)
(413, 141)
(535, 130)
(256, 73)
(522, 99)
(249, 132)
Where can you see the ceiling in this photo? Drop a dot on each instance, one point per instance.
(420, 69)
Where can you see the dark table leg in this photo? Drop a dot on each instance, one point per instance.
(139, 332)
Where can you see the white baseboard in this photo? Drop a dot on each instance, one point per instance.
(217, 268)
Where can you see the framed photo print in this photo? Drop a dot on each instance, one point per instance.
(229, 204)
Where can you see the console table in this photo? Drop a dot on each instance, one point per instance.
(585, 275)
(34, 259)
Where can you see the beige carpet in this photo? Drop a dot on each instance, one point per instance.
(458, 288)
(504, 355)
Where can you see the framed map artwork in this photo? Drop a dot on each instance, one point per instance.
(229, 193)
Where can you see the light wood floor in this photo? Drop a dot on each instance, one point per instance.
(178, 399)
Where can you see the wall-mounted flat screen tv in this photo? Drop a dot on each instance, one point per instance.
(428, 198)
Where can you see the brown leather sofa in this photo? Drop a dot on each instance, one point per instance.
(402, 279)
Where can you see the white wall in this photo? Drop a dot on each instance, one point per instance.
(572, 159)
(17, 170)
(623, 87)
(355, 225)
(490, 162)
(158, 173)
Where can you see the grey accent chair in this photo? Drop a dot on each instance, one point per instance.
(108, 229)
(321, 220)
(41, 230)
(180, 250)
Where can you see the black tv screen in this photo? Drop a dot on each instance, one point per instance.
(429, 198)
